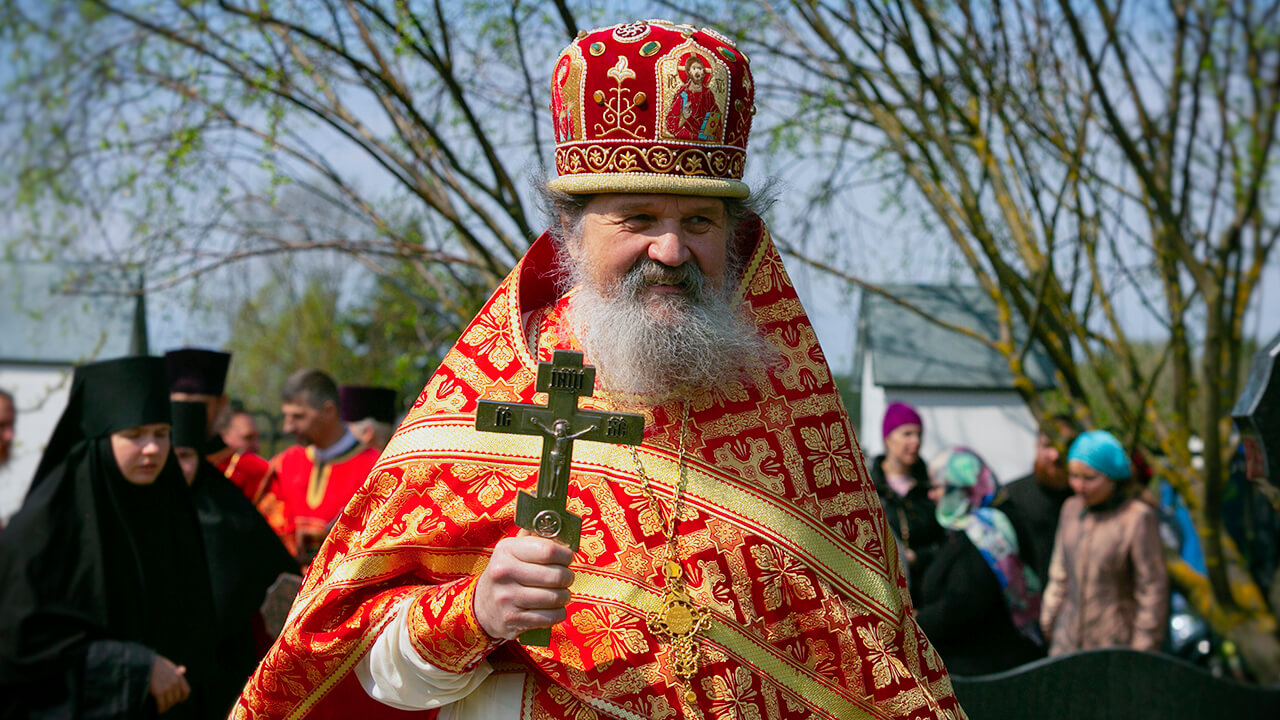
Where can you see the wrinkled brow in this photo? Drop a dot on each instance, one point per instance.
(712, 207)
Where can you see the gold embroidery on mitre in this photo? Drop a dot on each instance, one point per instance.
(566, 95)
(620, 109)
(631, 32)
(693, 89)
(661, 159)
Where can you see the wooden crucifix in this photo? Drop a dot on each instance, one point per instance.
(564, 380)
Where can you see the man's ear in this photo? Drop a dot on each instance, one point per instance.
(574, 248)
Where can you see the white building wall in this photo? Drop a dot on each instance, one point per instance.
(40, 394)
(996, 424)
(872, 412)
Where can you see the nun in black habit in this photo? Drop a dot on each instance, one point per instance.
(105, 603)
(245, 557)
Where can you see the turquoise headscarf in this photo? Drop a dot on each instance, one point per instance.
(1101, 451)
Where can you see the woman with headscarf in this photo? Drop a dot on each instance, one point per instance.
(902, 482)
(103, 588)
(1108, 586)
(980, 604)
(245, 557)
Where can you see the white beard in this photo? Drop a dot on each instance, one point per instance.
(659, 344)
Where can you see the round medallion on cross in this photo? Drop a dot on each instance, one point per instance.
(547, 523)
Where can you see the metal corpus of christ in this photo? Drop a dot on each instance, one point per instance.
(564, 379)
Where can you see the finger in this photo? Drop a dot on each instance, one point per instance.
(184, 689)
(541, 551)
(182, 669)
(540, 599)
(532, 619)
(556, 577)
(527, 575)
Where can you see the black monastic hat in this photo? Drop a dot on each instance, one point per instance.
(119, 394)
(197, 371)
(106, 397)
(359, 402)
(189, 421)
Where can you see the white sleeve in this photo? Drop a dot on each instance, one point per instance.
(393, 673)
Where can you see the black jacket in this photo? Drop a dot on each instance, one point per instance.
(911, 518)
(1033, 510)
(962, 611)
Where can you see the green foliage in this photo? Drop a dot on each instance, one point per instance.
(393, 335)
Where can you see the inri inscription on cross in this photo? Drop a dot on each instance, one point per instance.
(564, 380)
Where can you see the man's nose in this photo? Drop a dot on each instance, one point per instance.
(669, 246)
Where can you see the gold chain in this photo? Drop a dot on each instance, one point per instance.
(677, 620)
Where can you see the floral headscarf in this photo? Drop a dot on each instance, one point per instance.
(970, 487)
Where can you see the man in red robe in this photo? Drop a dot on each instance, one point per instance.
(313, 480)
(200, 375)
(736, 564)
(240, 429)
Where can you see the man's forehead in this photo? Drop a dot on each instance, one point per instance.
(626, 202)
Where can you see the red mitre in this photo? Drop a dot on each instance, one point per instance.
(652, 107)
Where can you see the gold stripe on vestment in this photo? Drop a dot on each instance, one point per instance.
(600, 586)
(596, 585)
(452, 438)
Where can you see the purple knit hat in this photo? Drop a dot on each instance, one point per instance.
(899, 414)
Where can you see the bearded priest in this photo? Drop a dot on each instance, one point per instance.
(737, 563)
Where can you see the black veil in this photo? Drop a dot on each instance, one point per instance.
(98, 574)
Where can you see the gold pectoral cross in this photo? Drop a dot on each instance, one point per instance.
(564, 380)
(678, 621)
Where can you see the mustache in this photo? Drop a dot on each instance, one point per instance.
(648, 272)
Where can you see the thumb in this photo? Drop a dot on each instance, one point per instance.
(182, 669)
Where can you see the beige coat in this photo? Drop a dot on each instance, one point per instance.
(1107, 581)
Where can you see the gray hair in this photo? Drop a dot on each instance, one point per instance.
(311, 387)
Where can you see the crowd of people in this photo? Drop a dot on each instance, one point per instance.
(134, 576)
(1070, 557)
(737, 562)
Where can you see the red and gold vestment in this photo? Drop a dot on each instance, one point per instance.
(249, 471)
(303, 497)
(782, 540)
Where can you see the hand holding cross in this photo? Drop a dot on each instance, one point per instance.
(564, 379)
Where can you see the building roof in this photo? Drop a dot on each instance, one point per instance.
(61, 314)
(910, 351)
